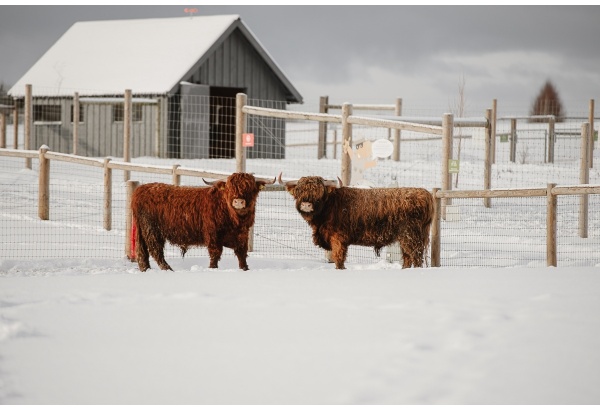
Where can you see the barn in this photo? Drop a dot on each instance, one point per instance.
(184, 74)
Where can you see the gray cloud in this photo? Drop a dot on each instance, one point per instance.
(506, 51)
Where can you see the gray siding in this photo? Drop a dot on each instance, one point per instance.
(99, 134)
(237, 64)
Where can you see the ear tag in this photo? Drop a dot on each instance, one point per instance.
(261, 187)
(222, 188)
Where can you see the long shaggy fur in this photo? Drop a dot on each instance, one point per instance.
(369, 217)
(194, 216)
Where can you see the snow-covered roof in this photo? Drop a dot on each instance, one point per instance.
(148, 56)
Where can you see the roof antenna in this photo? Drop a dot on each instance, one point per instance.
(191, 11)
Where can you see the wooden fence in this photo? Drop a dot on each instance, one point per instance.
(551, 192)
(443, 127)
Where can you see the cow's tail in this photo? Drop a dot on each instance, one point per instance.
(134, 240)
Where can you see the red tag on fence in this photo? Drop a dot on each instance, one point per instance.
(248, 140)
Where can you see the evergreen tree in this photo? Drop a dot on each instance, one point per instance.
(548, 103)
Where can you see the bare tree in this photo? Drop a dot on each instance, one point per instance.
(458, 109)
(548, 103)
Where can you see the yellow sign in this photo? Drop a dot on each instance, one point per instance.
(453, 166)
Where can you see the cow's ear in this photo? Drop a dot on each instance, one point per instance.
(291, 188)
(220, 185)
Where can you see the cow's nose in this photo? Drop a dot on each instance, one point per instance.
(239, 203)
(306, 207)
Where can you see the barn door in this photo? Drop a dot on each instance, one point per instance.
(195, 119)
(222, 124)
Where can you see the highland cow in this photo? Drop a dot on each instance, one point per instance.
(217, 216)
(378, 217)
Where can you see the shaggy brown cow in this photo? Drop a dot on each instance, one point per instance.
(378, 217)
(216, 216)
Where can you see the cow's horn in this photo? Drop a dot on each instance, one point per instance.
(289, 183)
(212, 182)
(341, 184)
(265, 180)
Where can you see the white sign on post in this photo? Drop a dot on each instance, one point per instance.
(382, 148)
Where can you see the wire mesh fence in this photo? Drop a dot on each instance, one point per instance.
(198, 131)
(511, 233)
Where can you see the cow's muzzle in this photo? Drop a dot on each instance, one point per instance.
(306, 207)
(239, 203)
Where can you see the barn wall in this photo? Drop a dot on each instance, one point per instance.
(99, 134)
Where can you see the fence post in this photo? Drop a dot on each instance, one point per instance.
(157, 132)
(397, 133)
(75, 122)
(44, 185)
(346, 143)
(550, 226)
(240, 128)
(487, 171)
(322, 143)
(334, 143)
(131, 186)
(551, 139)
(127, 127)
(435, 230)
(28, 121)
(107, 195)
(591, 135)
(447, 130)
(16, 124)
(513, 139)
(584, 178)
(494, 123)
(176, 179)
(2, 129)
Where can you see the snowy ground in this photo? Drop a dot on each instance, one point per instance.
(80, 330)
(101, 332)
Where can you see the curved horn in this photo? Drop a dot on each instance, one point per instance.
(265, 180)
(341, 184)
(289, 183)
(213, 182)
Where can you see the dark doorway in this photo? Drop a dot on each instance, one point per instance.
(222, 121)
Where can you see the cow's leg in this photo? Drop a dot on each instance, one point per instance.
(141, 251)
(156, 245)
(418, 254)
(405, 245)
(242, 255)
(338, 252)
(413, 248)
(214, 251)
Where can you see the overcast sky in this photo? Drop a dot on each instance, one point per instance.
(373, 54)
